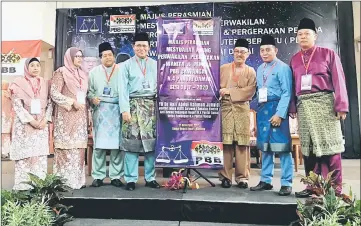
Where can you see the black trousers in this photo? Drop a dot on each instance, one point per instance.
(310, 163)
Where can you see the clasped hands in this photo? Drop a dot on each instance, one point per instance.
(39, 124)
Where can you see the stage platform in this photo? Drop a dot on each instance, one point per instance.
(208, 204)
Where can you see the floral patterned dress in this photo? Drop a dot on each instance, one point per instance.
(29, 146)
(70, 134)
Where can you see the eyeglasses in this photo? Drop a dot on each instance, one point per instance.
(240, 52)
(77, 56)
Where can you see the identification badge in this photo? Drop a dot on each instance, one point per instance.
(106, 91)
(306, 82)
(146, 85)
(35, 108)
(80, 97)
(262, 95)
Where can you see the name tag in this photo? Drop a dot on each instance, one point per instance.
(306, 82)
(146, 85)
(80, 97)
(35, 107)
(262, 95)
(107, 91)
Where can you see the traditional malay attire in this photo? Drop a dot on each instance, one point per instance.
(6, 119)
(30, 145)
(70, 85)
(321, 93)
(274, 83)
(236, 120)
(103, 84)
(139, 88)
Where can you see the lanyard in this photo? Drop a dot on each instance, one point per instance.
(111, 74)
(36, 89)
(80, 80)
(309, 61)
(234, 77)
(144, 71)
(269, 72)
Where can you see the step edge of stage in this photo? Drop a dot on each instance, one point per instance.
(182, 199)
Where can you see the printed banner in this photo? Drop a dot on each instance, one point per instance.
(122, 24)
(188, 113)
(89, 24)
(15, 53)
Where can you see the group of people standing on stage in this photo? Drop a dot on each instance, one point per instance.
(122, 99)
(312, 88)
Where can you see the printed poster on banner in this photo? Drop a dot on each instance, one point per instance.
(122, 24)
(15, 53)
(188, 112)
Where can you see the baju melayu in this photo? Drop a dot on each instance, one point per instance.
(107, 121)
(274, 83)
(320, 92)
(138, 87)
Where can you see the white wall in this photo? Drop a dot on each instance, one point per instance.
(29, 21)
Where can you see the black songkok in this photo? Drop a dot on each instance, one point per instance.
(307, 23)
(104, 47)
(241, 43)
(141, 37)
(268, 40)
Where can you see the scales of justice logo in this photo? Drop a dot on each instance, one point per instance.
(89, 24)
(174, 28)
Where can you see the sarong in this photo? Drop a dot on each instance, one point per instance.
(270, 138)
(235, 122)
(139, 134)
(107, 124)
(320, 130)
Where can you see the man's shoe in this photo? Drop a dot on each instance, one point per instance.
(242, 185)
(130, 186)
(84, 186)
(152, 184)
(303, 194)
(262, 186)
(226, 183)
(97, 183)
(285, 191)
(116, 183)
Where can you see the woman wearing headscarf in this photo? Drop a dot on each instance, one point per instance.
(6, 120)
(68, 90)
(32, 112)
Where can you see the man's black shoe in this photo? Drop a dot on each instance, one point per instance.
(262, 186)
(130, 186)
(152, 184)
(226, 183)
(97, 183)
(285, 191)
(303, 194)
(242, 185)
(116, 183)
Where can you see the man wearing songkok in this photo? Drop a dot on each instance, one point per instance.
(238, 85)
(321, 97)
(138, 87)
(104, 97)
(274, 89)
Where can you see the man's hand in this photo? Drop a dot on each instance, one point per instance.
(341, 115)
(224, 91)
(126, 117)
(275, 120)
(35, 124)
(95, 101)
(293, 115)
